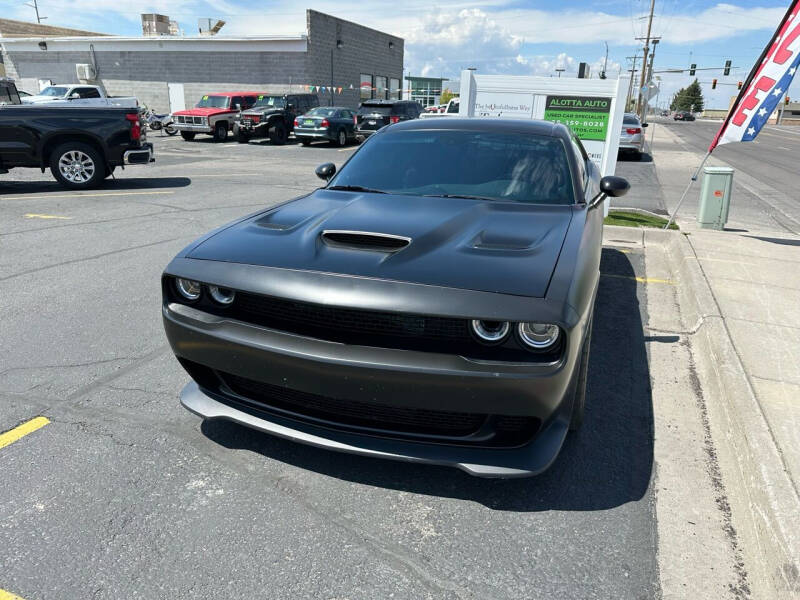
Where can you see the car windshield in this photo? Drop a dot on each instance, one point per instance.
(213, 102)
(375, 109)
(53, 91)
(506, 167)
(276, 101)
(322, 112)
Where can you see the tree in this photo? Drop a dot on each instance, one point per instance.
(446, 96)
(689, 98)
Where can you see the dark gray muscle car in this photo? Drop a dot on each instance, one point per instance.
(432, 303)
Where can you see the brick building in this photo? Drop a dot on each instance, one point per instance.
(169, 72)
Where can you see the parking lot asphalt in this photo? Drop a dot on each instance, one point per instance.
(124, 494)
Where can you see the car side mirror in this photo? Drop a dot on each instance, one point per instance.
(326, 171)
(610, 186)
(645, 124)
(74, 96)
(238, 106)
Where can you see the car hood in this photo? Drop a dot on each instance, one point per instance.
(261, 111)
(503, 247)
(202, 112)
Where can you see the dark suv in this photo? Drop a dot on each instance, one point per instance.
(374, 114)
(272, 116)
(8, 92)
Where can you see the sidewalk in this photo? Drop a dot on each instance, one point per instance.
(746, 342)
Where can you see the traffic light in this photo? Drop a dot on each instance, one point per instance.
(739, 85)
(786, 100)
(713, 84)
(692, 69)
(727, 70)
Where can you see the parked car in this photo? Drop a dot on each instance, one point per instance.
(67, 94)
(82, 146)
(374, 114)
(448, 110)
(273, 116)
(214, 114)
(683, 115)
(631, 139)
(8, 92)
(335, 124)
(432, 303)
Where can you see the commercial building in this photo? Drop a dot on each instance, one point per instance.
(425, 90)
(341, 61)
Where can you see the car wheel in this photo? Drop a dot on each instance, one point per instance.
(579, 397)
(187, 135)
(341, 138)
(170, 130)
(278, 134)
(220, 132)
(242, 138)
(77, 166)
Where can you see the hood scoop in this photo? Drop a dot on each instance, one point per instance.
(365, 240)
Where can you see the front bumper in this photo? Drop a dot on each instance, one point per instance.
(193, 127)
(381, 376)
(140, 156)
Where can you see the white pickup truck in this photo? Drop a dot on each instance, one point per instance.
(79, 95)
(450, 111)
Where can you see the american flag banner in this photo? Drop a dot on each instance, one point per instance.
(766, 84)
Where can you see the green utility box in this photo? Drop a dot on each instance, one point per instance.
(715, 197)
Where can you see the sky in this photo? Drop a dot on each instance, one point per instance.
(519, 37)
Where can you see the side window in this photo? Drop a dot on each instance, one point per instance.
(237, 100)
(87, 92)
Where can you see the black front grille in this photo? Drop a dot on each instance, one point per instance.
(454, 427)
(347, 325)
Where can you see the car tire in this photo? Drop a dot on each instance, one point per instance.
(170, 130)
(304, 141)
(242, 138)
(278, 134)
(341, 138)
(77, 166)
(579, 396)
(188, 135)
(220, 132)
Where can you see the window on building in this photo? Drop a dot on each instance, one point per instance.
(366, 86)
(394, 89)
(380, 87)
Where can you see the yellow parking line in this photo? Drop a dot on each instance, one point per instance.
(86, 195)
(35, 216)
(20, 431)
(4, 595)
(640, 279)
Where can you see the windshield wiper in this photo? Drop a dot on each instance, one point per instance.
(354, 188)
(461, 196)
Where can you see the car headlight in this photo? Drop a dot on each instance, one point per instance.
(221, 294)
(538, 336)
(188, 288)
(490, 332)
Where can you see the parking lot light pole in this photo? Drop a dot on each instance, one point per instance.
(338, 47)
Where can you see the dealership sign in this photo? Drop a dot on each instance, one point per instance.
(591, 108)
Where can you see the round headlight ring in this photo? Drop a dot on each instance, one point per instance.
(222, 295)
(188, 288)
(490, 332)
(538, 336)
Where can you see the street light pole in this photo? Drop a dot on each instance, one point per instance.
(35, 6)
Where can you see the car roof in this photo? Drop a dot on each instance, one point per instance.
(247, 93)
(488, 124)
(381, 101)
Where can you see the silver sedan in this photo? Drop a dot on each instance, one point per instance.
(631, 138)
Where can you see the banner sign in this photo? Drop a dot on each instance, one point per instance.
(766, 84)
(587, 116)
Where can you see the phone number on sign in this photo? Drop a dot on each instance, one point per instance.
(580, 123)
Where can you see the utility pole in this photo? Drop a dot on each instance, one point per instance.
(646, 50)
(35, 6)
(605, 63)
(630, 83)
(646, 102)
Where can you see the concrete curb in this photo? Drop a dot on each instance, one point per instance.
(762, 502)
